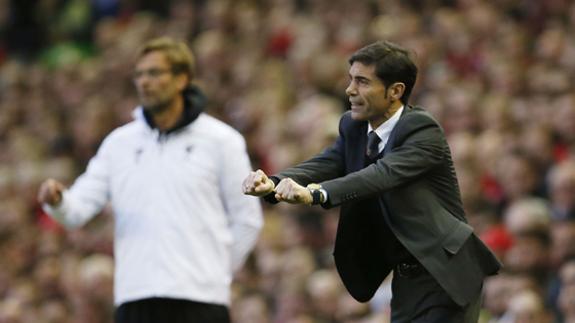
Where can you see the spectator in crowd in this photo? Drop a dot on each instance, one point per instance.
(562, 242)
(566, 299)
(527, 215)
(526, 307)
(562, 191)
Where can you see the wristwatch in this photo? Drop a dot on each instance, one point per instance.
(318, 194)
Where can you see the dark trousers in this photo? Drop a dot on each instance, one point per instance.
(164, 310)
(420, 299)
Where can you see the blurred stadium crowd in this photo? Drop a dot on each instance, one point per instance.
(498, 75)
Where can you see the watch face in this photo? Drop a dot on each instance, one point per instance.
(314, 186)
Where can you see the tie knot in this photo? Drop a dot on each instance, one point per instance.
(373, 141)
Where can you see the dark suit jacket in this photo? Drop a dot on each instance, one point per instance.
(416, 187)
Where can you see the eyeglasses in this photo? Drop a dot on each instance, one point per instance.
(151, 73)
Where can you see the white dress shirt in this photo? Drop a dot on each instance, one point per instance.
(384, 130)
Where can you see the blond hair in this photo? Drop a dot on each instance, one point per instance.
(178, 54)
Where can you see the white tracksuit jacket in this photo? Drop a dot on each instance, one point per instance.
(182, 224)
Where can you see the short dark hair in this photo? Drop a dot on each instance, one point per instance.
(392, 64)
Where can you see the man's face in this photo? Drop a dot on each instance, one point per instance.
(369, 98)
(155, 82)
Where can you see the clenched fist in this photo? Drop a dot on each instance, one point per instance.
(290, 191)
(50, 192)
(258, 184)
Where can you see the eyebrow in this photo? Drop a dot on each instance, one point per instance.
(359, 77)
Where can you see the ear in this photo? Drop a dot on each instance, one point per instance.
(397, 90)
(182, 81)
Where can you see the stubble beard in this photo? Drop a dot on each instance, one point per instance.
(155, 107)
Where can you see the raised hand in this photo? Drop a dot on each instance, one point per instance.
(257, 184)
(50, 192)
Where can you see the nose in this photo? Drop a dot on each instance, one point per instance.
(141, 81)
(351, 89)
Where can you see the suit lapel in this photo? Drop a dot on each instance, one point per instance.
(358, 143)
(356, 156)
(391, 141)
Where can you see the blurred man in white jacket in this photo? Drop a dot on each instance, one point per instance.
(173, 177)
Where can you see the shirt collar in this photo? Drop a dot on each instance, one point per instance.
(384, 130)
(194, 104)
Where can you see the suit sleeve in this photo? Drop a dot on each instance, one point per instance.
(327, 165)
(420, 146)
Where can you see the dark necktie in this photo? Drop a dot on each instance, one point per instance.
(373, 141)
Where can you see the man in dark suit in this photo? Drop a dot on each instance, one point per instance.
(391, 171)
